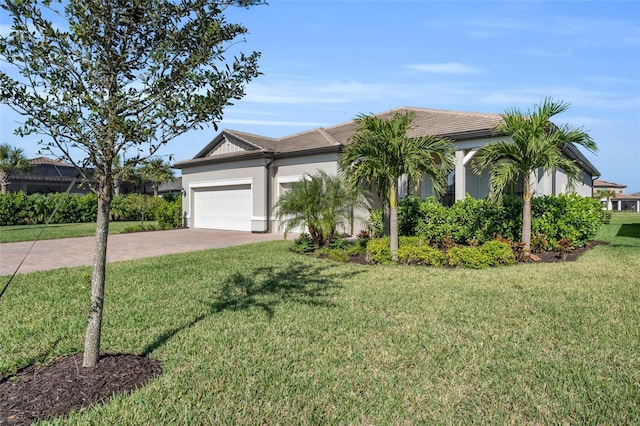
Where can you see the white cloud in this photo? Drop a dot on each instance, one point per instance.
(575, 96)
(448, 68)
(607, 79)
(305, 92)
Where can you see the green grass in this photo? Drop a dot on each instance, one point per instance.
(258, 335)
(12, 234)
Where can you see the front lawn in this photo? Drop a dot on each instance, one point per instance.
(259, 335)
(11, 234)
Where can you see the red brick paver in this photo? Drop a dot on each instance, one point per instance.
(68, 252)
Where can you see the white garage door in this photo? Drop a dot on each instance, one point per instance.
(223, 207)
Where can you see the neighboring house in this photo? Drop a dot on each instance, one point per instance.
(235, 180)
(48, 176)
(174, 187)
(621, 201)
(51, 176)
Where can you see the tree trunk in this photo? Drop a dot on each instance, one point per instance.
(526, 218)
(4, 181)
(393, 218)
(94, 321)
(155, 191)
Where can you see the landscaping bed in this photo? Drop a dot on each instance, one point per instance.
(542, 257)
(39, 392)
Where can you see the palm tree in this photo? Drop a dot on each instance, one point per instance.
(605, 193)
(536, 144)
(380, 153)
(157, 171)
(12, 160)
(318, 202)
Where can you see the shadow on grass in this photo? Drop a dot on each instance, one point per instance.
(266, 288)
(22, 228)
(629, 230)
(34, 360)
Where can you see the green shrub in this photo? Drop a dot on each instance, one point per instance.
(140, 207)
(539, 243)
(337, 254)
(355, 249)
(379, 250)
(498, 253)
(339, 243)
(470, 221)
(408, 215)
(351, 248)
(376, 223)
(139, 228)
(303, 244)
(18, 209)
(14, 208)
(468, 257)
(434, 223)
(169, 214)
(87, 208)
(465, 218)
(117, 208)
(414, 253)
(575, 218)
(563, 247)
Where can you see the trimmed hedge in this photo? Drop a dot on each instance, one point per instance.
(571, 217)
(16, 208)
(474, 222)
(411, 250)
(415, 251)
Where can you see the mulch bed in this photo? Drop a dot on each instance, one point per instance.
(40, 392)
(552, 256)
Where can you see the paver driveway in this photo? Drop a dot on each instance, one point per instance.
(67, 252)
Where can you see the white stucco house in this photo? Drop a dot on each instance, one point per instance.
(234, 181)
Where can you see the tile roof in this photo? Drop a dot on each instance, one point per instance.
(44, 160)
(598, 183)
(626, 197)
(427, 121)
(454, 125)
(432, 122)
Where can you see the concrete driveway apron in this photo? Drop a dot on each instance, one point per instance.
(69, 252)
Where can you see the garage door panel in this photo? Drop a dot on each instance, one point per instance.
(223, 207)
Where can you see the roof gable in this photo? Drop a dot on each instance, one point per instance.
(228, 145)
(234, 142)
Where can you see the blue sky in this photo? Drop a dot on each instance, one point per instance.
(325, 62)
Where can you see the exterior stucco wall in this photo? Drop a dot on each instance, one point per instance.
(211, 175)
(582, 187)
(285, 171)
(585, 186)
